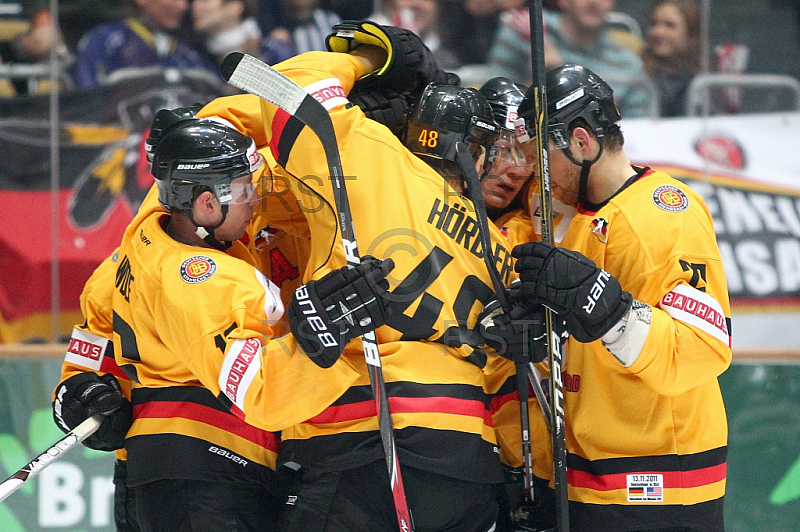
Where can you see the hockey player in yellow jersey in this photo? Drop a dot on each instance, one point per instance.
(89, 362)
(639, 281)
(191, 314)
(506, 186)
(403, 209)
(91, 382)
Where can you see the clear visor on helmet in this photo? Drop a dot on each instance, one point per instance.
(242, 190)
(508, 151)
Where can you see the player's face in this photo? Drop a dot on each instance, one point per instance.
(564, 176)
(240, 209)
(511, 168)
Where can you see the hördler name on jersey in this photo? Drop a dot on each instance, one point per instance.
(456, 222)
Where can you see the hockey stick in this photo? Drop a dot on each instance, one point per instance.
(476, 195)
(251, 75)
(545, 204)
(56, 451)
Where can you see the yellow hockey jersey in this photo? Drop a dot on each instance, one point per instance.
(189, 323)
(402, 209)
(90, 347)
(647, 444)
(518, 227)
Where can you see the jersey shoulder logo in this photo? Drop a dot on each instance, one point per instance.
(600, 229)
(670, 198)
(197, 269)
(266, 236)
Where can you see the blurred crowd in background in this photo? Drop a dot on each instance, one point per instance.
(649, 51)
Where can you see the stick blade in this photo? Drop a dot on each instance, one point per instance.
(229, 64)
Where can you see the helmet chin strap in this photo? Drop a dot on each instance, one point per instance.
(583, 183)
(206, 232)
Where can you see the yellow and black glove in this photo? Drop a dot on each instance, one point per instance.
(409, 67)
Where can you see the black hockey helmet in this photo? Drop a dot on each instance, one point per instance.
(573, 91)
(162, 120)
(504, 96)
(201, 152)
(445, 115)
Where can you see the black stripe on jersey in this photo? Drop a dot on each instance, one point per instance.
(173, 456)
(454, 454)
(669, 462)
(357, 394)
(130, 348)
(130, 371)
(289, 135)
(508, 387)
(706, 516)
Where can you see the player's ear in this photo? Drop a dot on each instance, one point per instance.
(583, 138)
(205, 204)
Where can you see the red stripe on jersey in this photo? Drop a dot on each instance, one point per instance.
(405, 405)
(499, 401)
(210, 416)
(672, 479)
(109, 365)
(443, 405)
(279, 122)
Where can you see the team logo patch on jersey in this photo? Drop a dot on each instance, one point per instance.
(600, 229)
(197, 269)
(266, 236)
(670, 199)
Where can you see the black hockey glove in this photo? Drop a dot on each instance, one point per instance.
(409, 66)
(590, 300)
(327, 313)
(387, 107)
(517, 335)
(86, 394)
(520, 334)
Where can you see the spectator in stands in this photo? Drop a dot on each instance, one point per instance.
(421, 17)
(33, 46)
(231, 26)
(577, 33)
(672, 52)
(472, 26)
(272, 17)
(146, 39)
(309, 24)
(27, 36)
